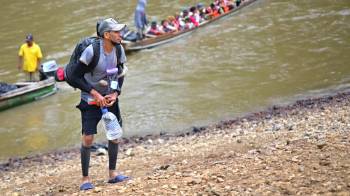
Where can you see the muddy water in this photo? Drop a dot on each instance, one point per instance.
(272, 52)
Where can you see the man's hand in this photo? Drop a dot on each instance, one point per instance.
(100, 100)
(111, 99)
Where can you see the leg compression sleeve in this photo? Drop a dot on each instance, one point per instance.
(112, 155)
(85, 159)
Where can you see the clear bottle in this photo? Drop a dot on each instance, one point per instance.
(111, 125)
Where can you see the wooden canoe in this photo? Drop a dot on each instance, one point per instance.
(162, 39)
(27, 92)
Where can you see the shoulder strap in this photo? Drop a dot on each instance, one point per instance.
(118, 53)
(96, 57)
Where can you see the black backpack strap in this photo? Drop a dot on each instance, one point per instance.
(96, 57)
(119, 53)
(120, 67)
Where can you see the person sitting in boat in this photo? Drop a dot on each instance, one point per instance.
(238, 3)
(181, 21)
(202, 12)
(184, 14)
(173, 22)
(216, 2)
(208, 13)
(230, 4)
(212, 12)
(216, 10)
(194, 16)
(166, 27)
(200, 7)
(154, 29)
(224, 5)
(190, 21)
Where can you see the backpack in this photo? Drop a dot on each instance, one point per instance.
(64, 74)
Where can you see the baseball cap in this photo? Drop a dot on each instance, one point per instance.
(29, 37)
(110, 24)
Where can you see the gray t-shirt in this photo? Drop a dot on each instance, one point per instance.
(106, 61)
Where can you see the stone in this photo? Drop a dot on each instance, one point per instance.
(164, 167)
(129, 152)
(325, 163)
(97, 189)
(173, 187)
(321, 145)
(301, 169)
(220, 180)
(101, 151)
(160, 141)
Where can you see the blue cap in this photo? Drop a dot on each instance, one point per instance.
(104, 110)
(29, 37)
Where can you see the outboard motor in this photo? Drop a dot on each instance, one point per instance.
(48, 69)
(128, 35)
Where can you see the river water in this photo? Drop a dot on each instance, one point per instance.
(272, 52)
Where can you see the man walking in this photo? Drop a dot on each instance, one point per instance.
(29, 57)
(96, 92)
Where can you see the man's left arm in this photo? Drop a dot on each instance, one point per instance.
(39, 57)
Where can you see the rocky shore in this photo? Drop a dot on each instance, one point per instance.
(299, 149)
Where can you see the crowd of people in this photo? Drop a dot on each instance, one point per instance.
(191, 17)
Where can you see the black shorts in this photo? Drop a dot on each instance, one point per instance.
(91, 115)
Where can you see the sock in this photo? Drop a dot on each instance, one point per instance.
(112, 155)
(85, 159)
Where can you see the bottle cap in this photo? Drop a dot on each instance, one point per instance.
(104, 110)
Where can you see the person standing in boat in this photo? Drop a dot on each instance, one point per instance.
(29, 57)
(140, 18)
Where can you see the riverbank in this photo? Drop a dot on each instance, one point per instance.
(302, 149)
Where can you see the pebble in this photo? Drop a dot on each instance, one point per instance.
(173, 187)
(97, 189)
(101, 151)
(321, 145)
(129, 152)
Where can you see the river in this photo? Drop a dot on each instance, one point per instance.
(273, 52)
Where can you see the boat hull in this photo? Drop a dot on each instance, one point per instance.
(27, 92)
(162, 39)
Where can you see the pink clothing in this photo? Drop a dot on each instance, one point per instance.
(193, 20)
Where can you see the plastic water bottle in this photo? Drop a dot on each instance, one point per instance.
(111, 125)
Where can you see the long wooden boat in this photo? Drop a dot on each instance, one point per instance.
(27, 92)
(162, 39)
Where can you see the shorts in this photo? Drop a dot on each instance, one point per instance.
(91, 115)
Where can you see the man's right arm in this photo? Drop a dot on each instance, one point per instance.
(20, 58)
(20, 62)
(76, 76)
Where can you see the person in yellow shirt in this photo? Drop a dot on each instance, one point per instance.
(29, 57)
